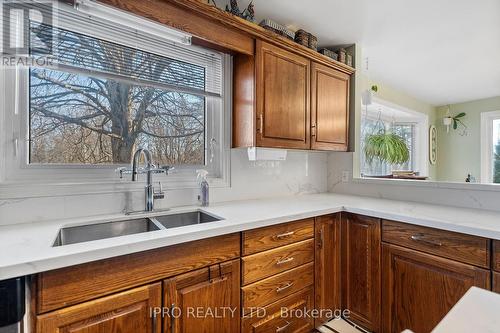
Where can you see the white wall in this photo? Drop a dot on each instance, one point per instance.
(435, 193)
(301, 173)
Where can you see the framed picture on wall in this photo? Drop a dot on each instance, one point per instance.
(432, 145)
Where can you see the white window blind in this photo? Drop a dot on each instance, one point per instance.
(191, 69)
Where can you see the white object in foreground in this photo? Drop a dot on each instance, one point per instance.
(476, 311)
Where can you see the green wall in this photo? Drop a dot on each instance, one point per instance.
(459, 155)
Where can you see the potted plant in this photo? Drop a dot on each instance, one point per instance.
(386, 147)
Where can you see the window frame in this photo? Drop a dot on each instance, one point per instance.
(421, 139)
(487, 119)
(17, 171)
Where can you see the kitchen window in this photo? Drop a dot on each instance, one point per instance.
(111, 87)
(409, 125)
(490, 147)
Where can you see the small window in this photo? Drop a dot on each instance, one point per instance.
(409, 125)
(490, 147)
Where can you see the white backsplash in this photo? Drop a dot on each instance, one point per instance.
(439, 194)
(301, 173)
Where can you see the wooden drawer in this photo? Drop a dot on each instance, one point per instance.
(465, 248)
(273, 321)
(496, 282)
(277, 235)
(75, 284)
(270, 290)
(264, 264)
(496, 256)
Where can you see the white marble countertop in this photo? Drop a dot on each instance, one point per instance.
(476, 311)
(27, 248)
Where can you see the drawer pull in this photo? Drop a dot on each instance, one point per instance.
(285, 261)
(284, 287)
(421, 238)
(285, 235)
(283, 328)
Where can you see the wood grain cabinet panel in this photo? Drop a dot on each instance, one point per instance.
(75, 284)
(496, 255)
(465, 248)
(327, 271)
(126, 312)
(266, 238)
(329, 108)
(264, 264)
(283, 94)
(496, 282)
(419, 288)
(215, 291)
(276, 319)
(361, 269)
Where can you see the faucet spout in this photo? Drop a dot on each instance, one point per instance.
(149, 191)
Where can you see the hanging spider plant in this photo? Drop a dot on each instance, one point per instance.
(386, 147)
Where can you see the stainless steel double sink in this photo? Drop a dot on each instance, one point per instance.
(90, 232)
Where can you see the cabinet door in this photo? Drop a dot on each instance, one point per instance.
(327, 265)
(419, 289)
(329, 108)
(496, 282)
(126, 312)
(283, 92)
(207, 298)
(361, 269)
(496, 255)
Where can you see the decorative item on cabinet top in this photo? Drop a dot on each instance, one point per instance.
(275, 27)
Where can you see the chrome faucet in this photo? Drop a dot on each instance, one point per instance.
(150, 194)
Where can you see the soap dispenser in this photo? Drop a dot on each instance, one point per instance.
(203, 185)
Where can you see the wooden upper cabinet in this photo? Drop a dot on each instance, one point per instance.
(329, 108)
(282, 94)
(419, 289)
(361, 276)
(126, 312)
(327, 265)
(215, 291)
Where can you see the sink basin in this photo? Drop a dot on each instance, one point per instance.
(185, 219)
(90, 232)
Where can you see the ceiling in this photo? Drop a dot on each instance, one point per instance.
(438, 51)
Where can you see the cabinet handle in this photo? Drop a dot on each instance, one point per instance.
(285, 235)
(284, 261)
(261, 123)
(172, 318)
(421, 238)
(285, 287)
(313, 130)
(284, 327)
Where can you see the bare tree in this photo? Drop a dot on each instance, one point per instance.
(86, 118)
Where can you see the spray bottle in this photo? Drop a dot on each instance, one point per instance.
(203, 184)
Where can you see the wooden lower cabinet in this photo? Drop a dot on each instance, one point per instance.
(327, 265)
(284, 316)
(361, 270)
(419, 289)
(496, 282)
(206, 300)
(126, 312)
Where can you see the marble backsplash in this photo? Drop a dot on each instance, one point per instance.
(301, 173)
(436, 193)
